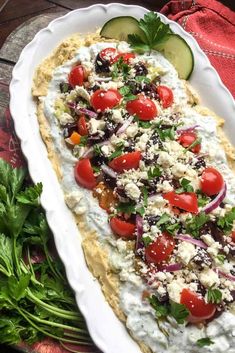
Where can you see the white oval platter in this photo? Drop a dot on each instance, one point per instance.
(107, 331)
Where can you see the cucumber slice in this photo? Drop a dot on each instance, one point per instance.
(119, 28)
(177, 51)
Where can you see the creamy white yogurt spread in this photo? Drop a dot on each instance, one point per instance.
(164, 335)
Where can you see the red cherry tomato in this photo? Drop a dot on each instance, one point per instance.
(186, 201)
(102, 99)
(108, 54)
(143, 107)
(165, 95)
(84, 174)
(76, 76)
(160, 249)
(126, 161)
(122, 228)
(187, 138)
(82, 128)
(199, 309)
(125, 56)
(212, 181)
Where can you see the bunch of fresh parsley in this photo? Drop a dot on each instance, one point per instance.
(35, 299)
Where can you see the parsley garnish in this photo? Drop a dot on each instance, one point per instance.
(125, 91)
(226, 222)
(126, 207)
(143, 79)
(163, 219)
(83, 141)
(194, 224)
(154, 32)
(120, 68)
(221, 258)
(96, 169)
(118, 151)
(202, 200)
(202, 342)
(164, 223)
(147, 240)
(178, 311)
(214, 295)
(166, 133)
(154, 172)
(97, 150)
(185, 186)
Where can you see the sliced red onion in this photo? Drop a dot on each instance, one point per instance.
(226, 275)
(187, 128)
(139, 228)
(86, 111)
(125, 125)
(186, 237)
(217, 200)
(72, 105)
(104, 79)
(109, 171)
(172, 267)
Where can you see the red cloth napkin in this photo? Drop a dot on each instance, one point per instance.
(213, 26)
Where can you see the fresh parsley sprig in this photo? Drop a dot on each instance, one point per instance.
(202, 342)
(154, 32)
(214, 295)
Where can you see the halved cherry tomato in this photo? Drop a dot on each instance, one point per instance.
(82, 128)
(105, 196)
(212, 181)
(84, 174)
(165, 95)
(125, 56)
(103, 99)
(127, 161)
(122, 228)
(76, 76)
(108, 54)
(199, 309)
(187, 138)
(143, 107)
(160, 249)
(186, 201)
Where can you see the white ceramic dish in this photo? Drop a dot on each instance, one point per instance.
(106, 330)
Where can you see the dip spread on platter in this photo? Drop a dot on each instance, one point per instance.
(144, 170)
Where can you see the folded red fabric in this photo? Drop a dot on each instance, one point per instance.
(213, 26)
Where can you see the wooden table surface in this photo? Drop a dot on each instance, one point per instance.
(20, 20)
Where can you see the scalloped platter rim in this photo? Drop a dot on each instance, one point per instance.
(107, 331)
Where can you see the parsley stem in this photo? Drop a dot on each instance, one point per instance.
(56, 324)
(48, 257)
(18, 269)
(46, 333)
(69, 315)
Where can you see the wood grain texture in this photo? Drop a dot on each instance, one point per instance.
(18, 39)
(5, 74)
(19, 8)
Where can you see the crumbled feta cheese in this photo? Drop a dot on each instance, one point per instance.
(207, 238)
(165, 187)
(75, 202)
(186, 251)
(132, 191)
(65, 118)
(165, 159)
(96, 125)
(82, 92)
(157, 201)
(179, 170)
(208, 278)
(106, 150)
(141, 144)
(213, 250)
(132, 130)
(175, 288)
(117, 116)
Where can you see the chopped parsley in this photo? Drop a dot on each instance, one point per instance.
(214, 295)
(97, 150)
(194, 224)
(202, 342)
(164, 223)
(143, 79)
(144, 124)
(226, 222)
(221, 258)
(194, 144)
(118, 151)
(120, 68)
(185, 186)
(168, 133)
(83, 141)
(202, 200)
(125, 91)
(178, 311)
(147, 240)
(154, 32)
(129, 208)
(96, 169)
(154, 172)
